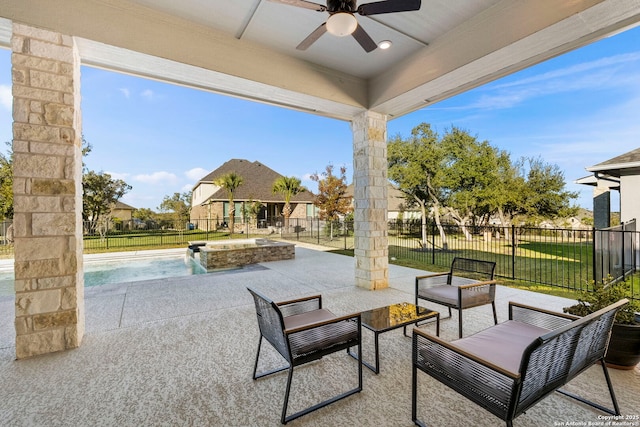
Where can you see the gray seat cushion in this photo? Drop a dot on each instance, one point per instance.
(308, 318)
(448, 295)
(502, 344)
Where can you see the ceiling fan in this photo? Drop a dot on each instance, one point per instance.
(342, 21)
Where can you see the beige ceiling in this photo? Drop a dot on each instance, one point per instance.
(247, 48)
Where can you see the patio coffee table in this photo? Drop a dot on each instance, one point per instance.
(390, 317)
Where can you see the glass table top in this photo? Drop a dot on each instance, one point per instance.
(394, 316)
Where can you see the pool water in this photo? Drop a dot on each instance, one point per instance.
(97, 273)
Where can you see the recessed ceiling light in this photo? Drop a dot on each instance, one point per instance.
(385, 44)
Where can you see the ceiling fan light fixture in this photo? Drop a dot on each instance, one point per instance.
(342, 24)
(385, 44)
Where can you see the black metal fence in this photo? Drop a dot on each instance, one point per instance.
(616, 251)
(565, 258)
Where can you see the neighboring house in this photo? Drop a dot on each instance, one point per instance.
(210, 203)
(620, 173)
(122, 211)
(396, 204)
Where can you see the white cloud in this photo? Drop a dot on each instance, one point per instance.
(125, 92)
(157, 178)
(196, 173)
(6, 99)
(608, 63)
(149, 94)
(186, 188)
(602, 74)
(118, 175)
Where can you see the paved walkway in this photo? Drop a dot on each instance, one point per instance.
(180, 351)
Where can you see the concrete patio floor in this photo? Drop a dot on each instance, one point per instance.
(180, 352)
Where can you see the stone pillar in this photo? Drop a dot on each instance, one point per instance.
(47, 189)
(370, 200)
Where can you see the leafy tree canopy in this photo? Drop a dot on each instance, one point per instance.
(101, 192)
(472, 180)
(287, 186)
(230, 182)
(179, 204)
(332, 199)
(6, 185)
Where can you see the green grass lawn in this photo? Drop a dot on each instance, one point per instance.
(418, 261)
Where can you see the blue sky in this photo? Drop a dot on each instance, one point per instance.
(576, 110)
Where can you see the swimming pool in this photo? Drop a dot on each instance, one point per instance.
(120, 269)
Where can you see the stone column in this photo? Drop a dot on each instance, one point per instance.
(47, 189)
(370, 200)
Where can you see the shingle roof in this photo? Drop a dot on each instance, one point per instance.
(257, 183)
(123, 206)
(629, 161)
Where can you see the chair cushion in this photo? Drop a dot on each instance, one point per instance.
(502, 344)
(308, 318)
(448, 295)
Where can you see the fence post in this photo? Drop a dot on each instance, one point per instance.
(318, 230)
(433, 243)
(513, 252)
(344, 230)
(594, 258)
(624, 270)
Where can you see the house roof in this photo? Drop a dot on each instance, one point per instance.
(257, 183)
(624, 164)
(123, 206)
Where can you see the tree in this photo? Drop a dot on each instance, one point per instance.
(144, 218)
(100, 193)
(287, 186)
(544, 194)
(144, 214)
(6, 185)
(472, 178)
(332, 199)
(251, 209)
(230, 182)
(180, 205)
(416, 166)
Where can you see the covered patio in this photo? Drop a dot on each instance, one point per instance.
(245, 49)
(181, 351)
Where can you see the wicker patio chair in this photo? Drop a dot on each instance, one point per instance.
(508, 368)
(469, 283)
(302, 331)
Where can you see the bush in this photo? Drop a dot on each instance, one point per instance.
(604, 294)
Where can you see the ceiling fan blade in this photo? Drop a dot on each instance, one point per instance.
(389, 6)
(302, 3)
(363, 38)
(311, 38)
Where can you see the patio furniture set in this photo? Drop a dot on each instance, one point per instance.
(505, 369)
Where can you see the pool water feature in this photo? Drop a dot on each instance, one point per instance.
(221, 254)
(119, 270)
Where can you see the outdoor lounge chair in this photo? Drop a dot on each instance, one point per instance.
(469, 283)
(302, 331)
(510, 367)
